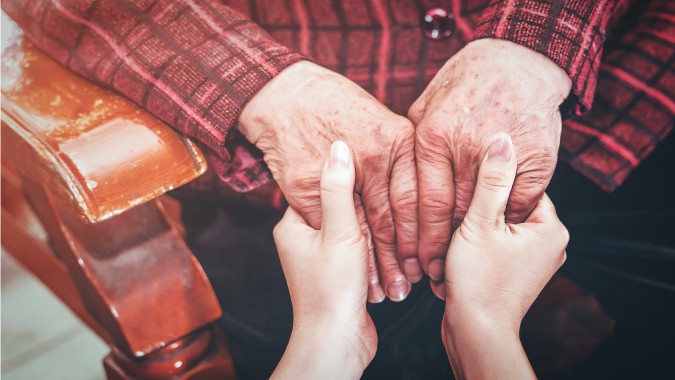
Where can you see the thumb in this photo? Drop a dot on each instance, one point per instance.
(493, 185)
(337, 194)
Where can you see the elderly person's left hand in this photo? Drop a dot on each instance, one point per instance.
(490, 86)
(295, 118)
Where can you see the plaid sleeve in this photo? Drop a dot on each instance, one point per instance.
(569, 32)
(635, 99)
(193, 64)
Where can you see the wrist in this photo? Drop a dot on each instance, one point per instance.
(524, 65)
(320, 350)
(483, 348)
(276, 100)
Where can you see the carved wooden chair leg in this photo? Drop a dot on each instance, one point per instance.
(142, 285)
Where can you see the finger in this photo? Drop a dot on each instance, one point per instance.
(305, 199)
(544, 211)
(380, 219)
(375, 291)
(465, 184)
(439, 289)
(339, 221)
(544, 220)
(403, 200)
(436, 204)
(493, 185)
(532, 179)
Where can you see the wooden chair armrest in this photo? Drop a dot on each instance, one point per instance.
(90, 146)
(89, 166)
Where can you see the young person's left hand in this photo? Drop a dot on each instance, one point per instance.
(326, 271)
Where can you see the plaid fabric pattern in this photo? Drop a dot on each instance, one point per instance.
(192, 64)
(634, 106)
(188, 46)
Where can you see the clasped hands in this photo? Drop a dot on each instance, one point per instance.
(494, 272)
(416, 176)
(456, 191)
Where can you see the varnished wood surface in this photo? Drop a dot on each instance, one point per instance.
(89, 145)
(135, 274)
(130, 279)
(24, 237)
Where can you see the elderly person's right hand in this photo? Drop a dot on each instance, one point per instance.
(295, 118)
(494, 271)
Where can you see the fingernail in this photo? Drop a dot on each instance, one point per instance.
(412, 270)
(375, 293)
(436, 269)
(339, 155)
(398, 291)
(500, 148)
(441, 292)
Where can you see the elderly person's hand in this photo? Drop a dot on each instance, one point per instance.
(326, 271)
(494, 272)
(295, 118)
(488, 87)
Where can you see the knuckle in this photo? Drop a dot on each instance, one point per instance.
(331, 185)
(432, 244)
(437, 226)
(403, 127)
(406, 249)
(383, 231)
(522, 201)
(416, 111)
(526, 193)
(537, 165)
(435, 203)
(429, 137)
(301, 186)
(406, 201)
(474, 232)
(494, 182)
(389, 271)
(476, 226)
(399, 129)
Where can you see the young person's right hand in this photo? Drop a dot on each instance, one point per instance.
(494, 271)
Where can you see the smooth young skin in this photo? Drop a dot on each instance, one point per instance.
(490, 86)
(296, 117)
(494, 271)
(333, 336)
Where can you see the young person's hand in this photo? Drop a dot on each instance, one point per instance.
(326, 270)
(494, 271)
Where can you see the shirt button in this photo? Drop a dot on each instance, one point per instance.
(438, 24)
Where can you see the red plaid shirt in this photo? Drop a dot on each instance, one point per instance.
(194, 64)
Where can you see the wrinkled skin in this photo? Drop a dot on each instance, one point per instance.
(294, 120)
(490, 86)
